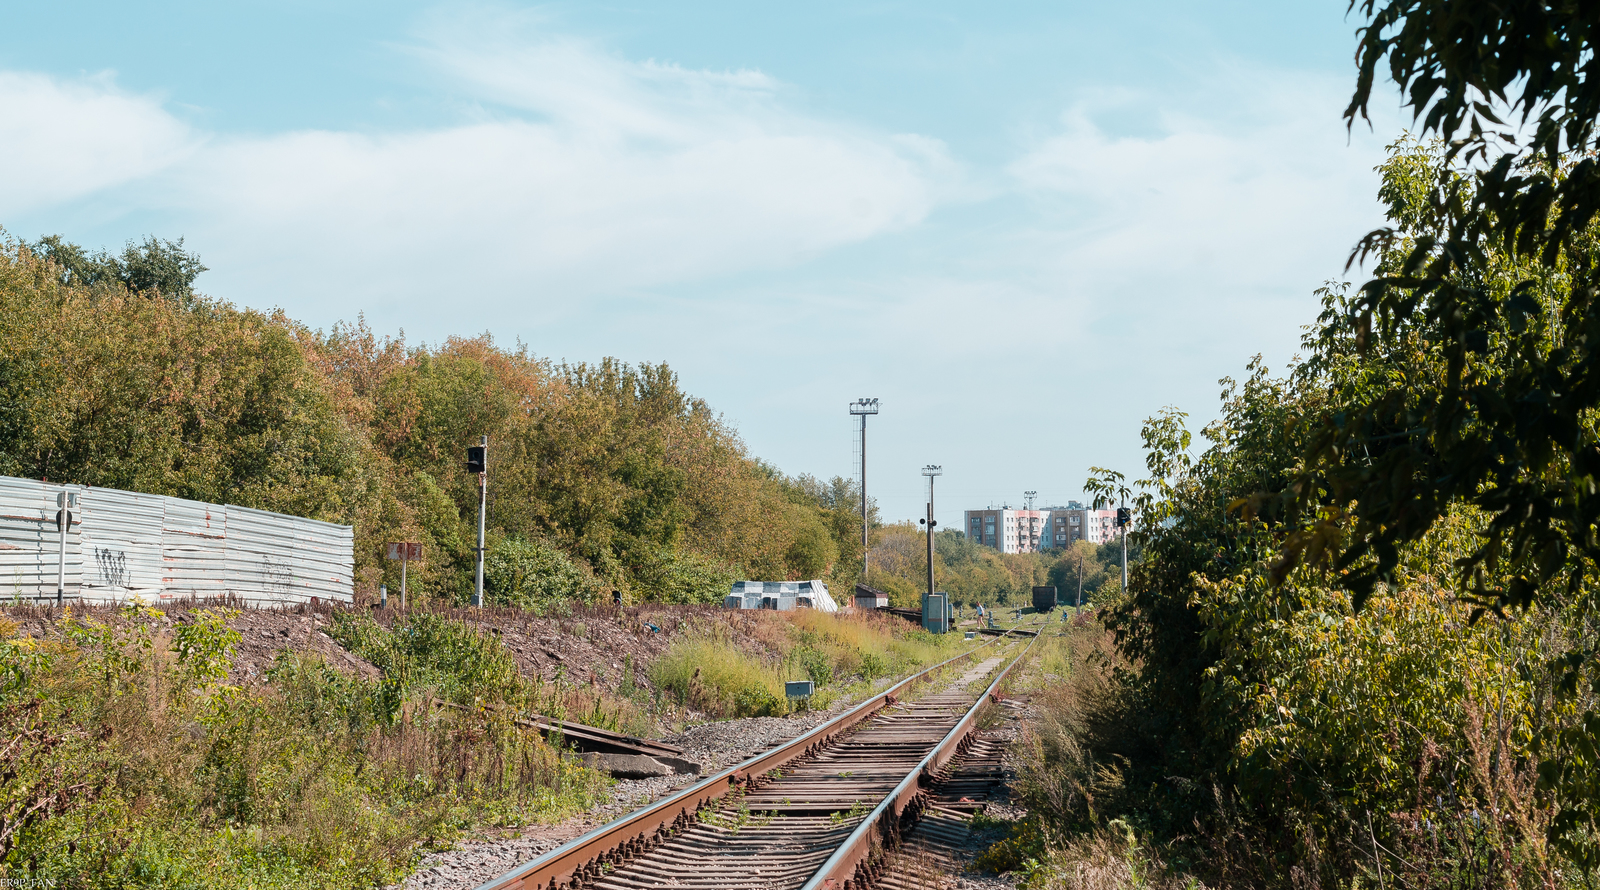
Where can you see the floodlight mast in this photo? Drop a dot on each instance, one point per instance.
(931, 470)
(861, 408)
(1028, 497)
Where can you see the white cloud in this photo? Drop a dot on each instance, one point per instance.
(1122, 270)
(596, 205)
(64, 139)
(1255, 198)
(580, 174)
(530, 204)
(1208, 232)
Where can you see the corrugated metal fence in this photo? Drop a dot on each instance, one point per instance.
(124, 544)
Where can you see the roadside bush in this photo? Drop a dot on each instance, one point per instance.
(757, 700)
(1267, 727)
(710, 673)
(424, 652)
(818, 667)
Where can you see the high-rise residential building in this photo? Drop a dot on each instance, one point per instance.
(1100, 526)
(1008, 530)
(1027, 531)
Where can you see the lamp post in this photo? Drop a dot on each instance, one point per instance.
(1124, 519)
(1077, 604)
(1027, 504)
(861, 408)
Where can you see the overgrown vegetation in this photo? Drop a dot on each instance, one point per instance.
(426, 656)
(1380, 574)
(840, 654)
(130, 762)
(1265, 723)
(115, 372)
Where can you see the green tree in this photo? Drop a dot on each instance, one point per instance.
(534, 574)
(1489, 266)
(199, 400)
(152, 266)
(1082, 567)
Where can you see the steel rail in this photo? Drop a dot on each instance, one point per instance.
(586, 856)
(839, 871)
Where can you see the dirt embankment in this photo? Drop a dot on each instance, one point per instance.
(588, 645)
(263, 633)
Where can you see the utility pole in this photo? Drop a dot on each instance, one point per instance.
(478, 462)
(861, 408)
(1124, 517)
(930, 471)
(1077, 605)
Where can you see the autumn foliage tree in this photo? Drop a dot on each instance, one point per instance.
(611, 470)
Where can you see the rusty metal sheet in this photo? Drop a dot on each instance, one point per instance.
(127, 544)
(193, 549)
(260, 556)
(121, 544)
(29, 541)
(322, 562)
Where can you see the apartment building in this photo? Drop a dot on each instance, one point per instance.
(1027, 531)
(1008, 530)
(1100, 526)
(1075, 522)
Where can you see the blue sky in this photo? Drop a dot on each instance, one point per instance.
(1025, 227)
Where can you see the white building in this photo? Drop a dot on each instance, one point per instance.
(1008, 530)
(1028, 531)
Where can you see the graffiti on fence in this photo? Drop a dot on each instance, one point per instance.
(113, 566)
(276, 574)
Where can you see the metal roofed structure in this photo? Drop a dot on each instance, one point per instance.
(783, 596)
(124, 544)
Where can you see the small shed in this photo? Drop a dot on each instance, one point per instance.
(870, 597)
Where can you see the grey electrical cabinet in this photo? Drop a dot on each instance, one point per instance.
(936, 612)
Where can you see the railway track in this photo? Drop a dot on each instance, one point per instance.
(818, 813)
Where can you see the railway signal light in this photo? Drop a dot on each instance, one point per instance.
(1124, 516)
(478, 462)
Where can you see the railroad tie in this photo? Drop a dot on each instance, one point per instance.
(777, 820)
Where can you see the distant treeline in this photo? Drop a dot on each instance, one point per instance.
(115, 372)
(972, 573)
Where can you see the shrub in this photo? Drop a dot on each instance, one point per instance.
(711, 674)
(817, 666)
(443, 657)
(533, 575)
(137, 766)
(678, 577)
(757, 700)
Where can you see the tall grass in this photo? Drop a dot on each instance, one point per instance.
(132, 763)
(713, 675)
(708, 670)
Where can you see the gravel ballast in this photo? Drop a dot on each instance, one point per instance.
(715, 746)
